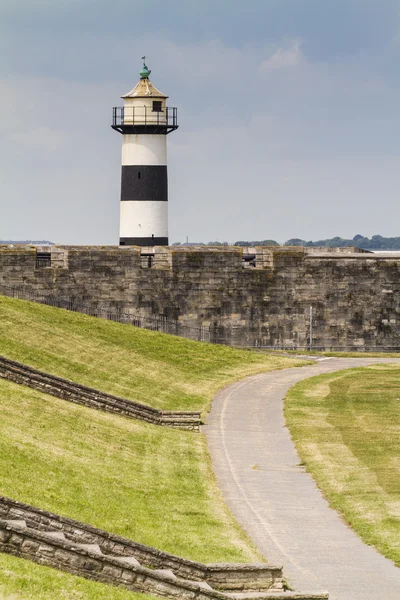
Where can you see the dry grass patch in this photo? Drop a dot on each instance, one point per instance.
(159, 370)
(349, 440)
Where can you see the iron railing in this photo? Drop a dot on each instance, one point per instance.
(154, 323)
(325, 348)
(174, 327)
(142, 119)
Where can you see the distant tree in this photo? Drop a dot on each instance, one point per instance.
(257, 243)
(377, 242)
(295, 242)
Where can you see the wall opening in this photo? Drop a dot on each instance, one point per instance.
(43, 259)
(146, 260)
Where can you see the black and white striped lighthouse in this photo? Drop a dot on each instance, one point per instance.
(144, 120)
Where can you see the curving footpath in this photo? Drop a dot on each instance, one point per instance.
(277, 502)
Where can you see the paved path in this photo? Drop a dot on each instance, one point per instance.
(278, 503)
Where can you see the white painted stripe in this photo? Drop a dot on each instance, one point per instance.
(144, 219)
(144, 149)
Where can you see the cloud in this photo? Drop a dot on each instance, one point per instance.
(250, 160)
(284, 57)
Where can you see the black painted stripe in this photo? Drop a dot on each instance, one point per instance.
(144, 183)
(143, 241)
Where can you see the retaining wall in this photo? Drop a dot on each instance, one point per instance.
(80, 394)
(19, 540)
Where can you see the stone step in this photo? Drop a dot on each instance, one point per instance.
(202, 584)
(167, 573)
(58, 535)
(131, 560)
(17, 522)
(91, 547)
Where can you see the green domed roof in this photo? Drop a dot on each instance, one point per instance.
(144, 88)
(144, 71)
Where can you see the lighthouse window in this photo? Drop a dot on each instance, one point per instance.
(157, 106)
(138, 175)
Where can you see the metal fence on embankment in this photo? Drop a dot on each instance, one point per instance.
(326, 348)
(154, 323)
(173, 327)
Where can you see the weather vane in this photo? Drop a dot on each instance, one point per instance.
(144, 71)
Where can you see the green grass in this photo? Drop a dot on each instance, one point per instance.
(159, 370)
(151, 484)
(23, 580)
(346, 427)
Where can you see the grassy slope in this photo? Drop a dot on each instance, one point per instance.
(346, 427)
(154, 485)
(163, 371)
(23, 580)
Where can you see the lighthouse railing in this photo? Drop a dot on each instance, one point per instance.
(125, 117)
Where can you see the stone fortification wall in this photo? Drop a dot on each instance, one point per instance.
(251, 296)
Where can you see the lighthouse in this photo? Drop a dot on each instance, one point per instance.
(144, 121)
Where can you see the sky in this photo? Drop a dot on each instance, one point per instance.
(288, 113)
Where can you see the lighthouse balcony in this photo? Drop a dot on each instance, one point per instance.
(142, 119)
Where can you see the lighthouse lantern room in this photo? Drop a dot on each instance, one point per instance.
(144, 121)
